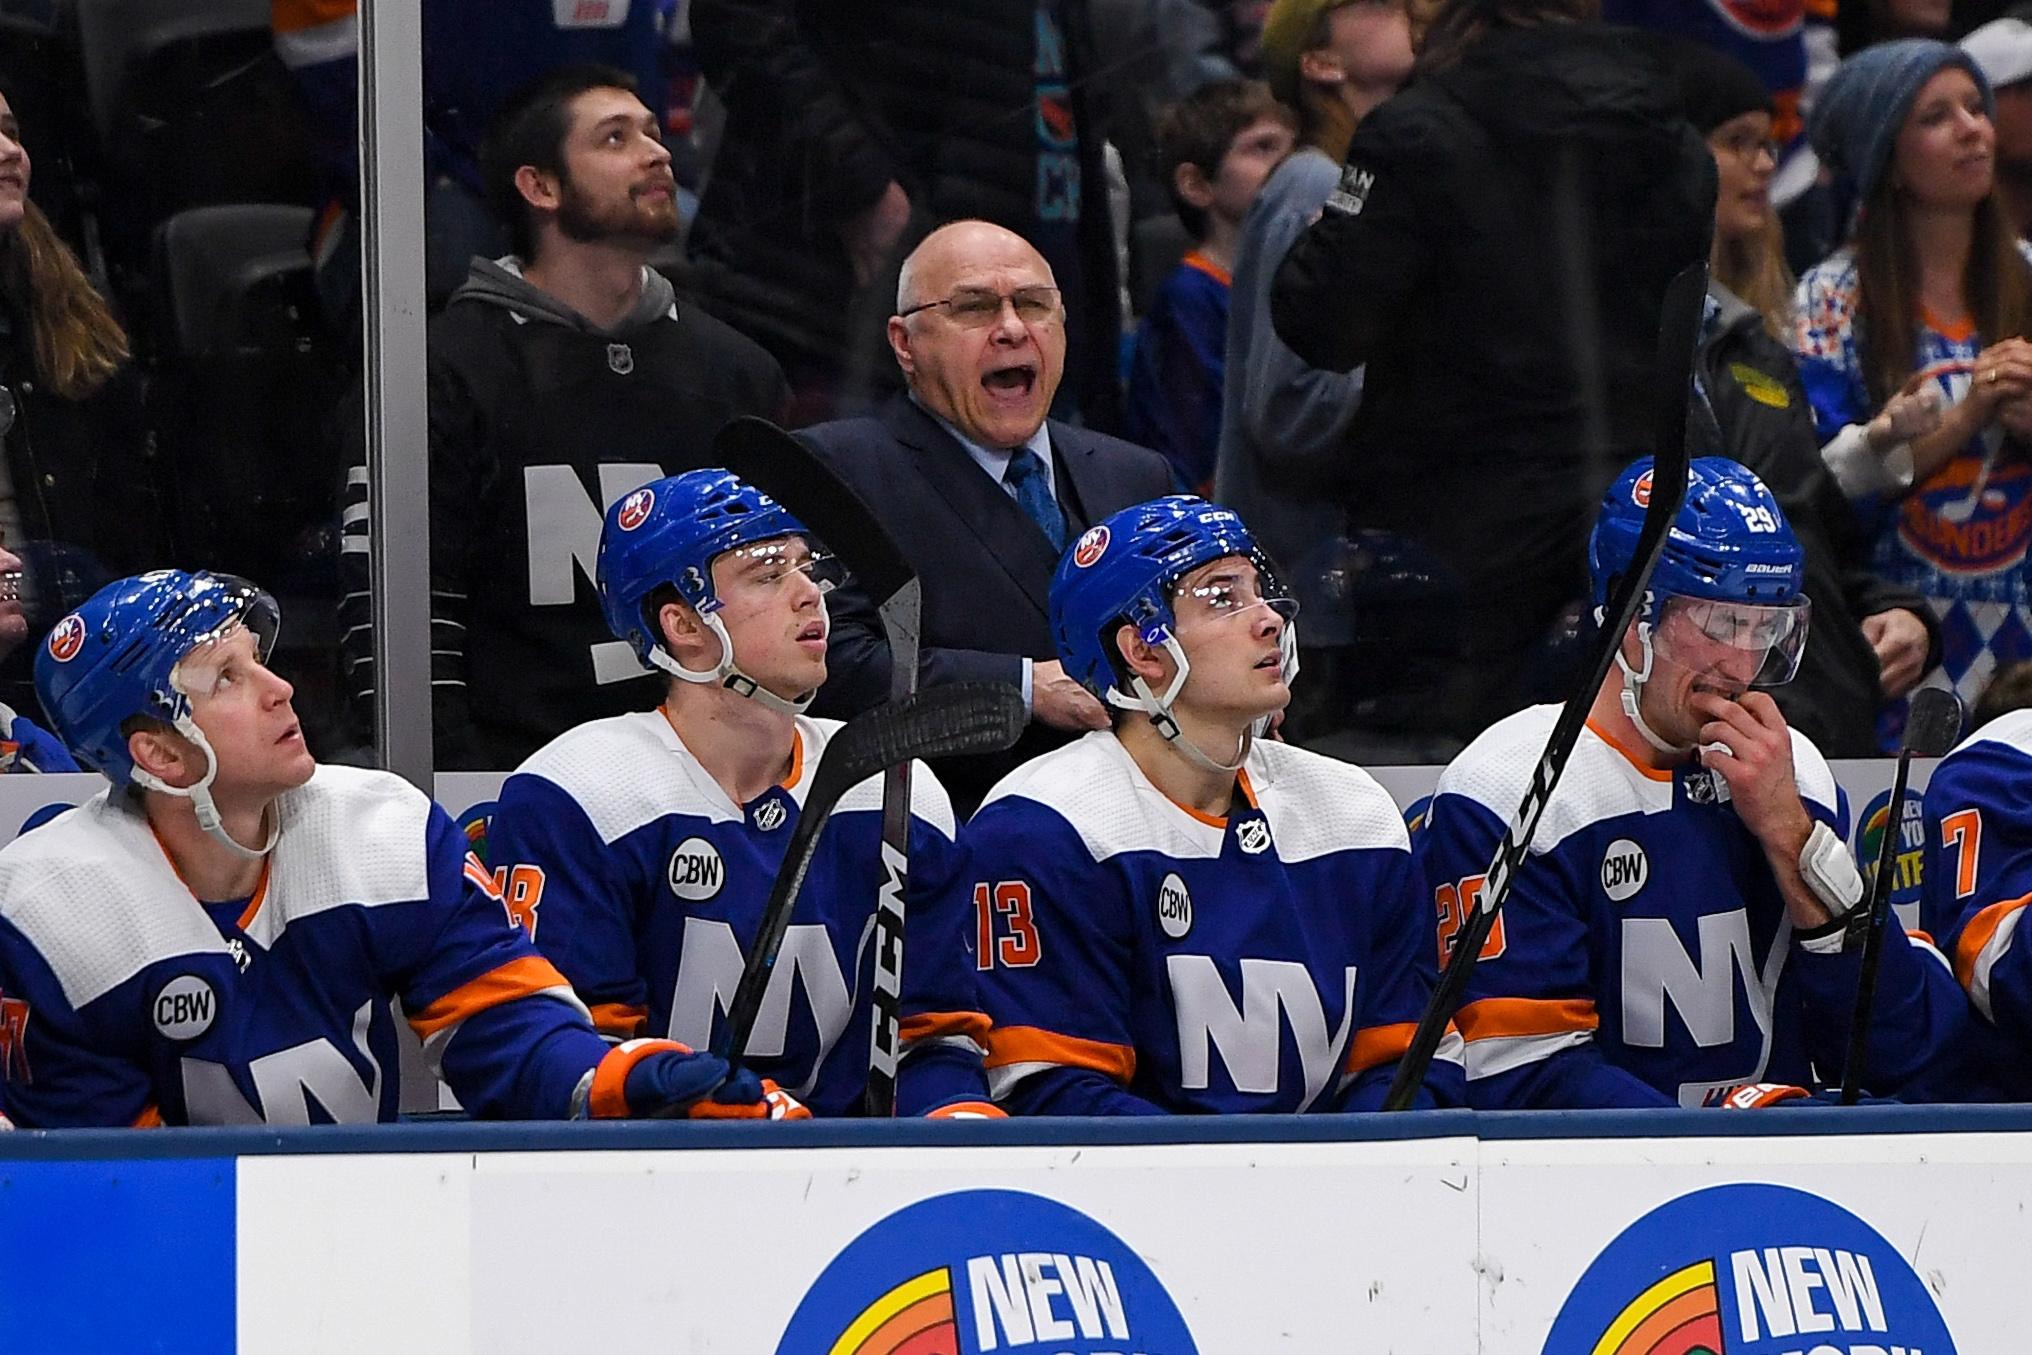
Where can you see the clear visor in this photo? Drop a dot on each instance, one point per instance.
(1230, 587)
(1733, 644)
(775, 562)
(247, 638)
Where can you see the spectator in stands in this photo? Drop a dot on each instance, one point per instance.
(561, 377)
(1871, 638)
(78, 493)
(1217, 146)
(981, 489)
(1932, 288)
(1497, 252)
(1284, 424)
(2009, 689)
(2002, 50)
(853, 130)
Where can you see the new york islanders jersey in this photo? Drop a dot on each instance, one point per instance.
(124, 1000)
(644, 883)
(1977, 881)
(1138, 956)
(1644, 954)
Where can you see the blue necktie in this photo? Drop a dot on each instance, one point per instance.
(1033, 495)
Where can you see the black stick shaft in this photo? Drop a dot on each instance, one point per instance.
(1873, 943)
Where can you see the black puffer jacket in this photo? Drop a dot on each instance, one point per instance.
(829, 102)
(1497, 254)
(1761, 418)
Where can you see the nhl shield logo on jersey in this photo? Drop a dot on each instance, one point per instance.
(1625, 869)
(1749, 1270)
(185, 1007)
(621, 358)
(1091, 546)
(696, 871)
(1252, 835)
(770, 814)
(1174, 907)
(66, 638)
(635, 509)
(987, 1270)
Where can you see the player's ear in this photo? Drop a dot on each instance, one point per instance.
(1145, 661)
(165, 754)
(683, 632)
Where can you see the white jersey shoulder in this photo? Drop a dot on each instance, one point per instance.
(1318, 805)
(1315, 805)
(350, 836)
(627, 771)
(2012, 730)
(1599, 781)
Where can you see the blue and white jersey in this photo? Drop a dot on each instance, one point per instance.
(645, 884)
(124, 1000)
(1977, 881)
(27, 747)
(1644, 955)
(1137, 955)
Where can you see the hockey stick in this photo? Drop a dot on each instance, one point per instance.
(1679, 329)
(766, 456)
(961, 717)
(1932, 722)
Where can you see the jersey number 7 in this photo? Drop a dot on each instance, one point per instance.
(1019, 948)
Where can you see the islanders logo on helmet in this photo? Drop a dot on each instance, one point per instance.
(1746, 1270)
(115, 657)
(66, 638)
(669, 532)
(1127, 577)
(986, 1270)
(1728, 542)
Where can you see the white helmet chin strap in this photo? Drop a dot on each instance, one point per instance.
(200, 796)
(1158, 708)
(727, 673)
(1633, 687)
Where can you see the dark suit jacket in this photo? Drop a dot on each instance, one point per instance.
(985, 567)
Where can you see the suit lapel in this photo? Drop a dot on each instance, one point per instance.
(1072, 456)
(983, 508)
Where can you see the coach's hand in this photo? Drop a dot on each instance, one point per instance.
(1058, 701)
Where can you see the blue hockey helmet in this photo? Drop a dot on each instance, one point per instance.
(115, 658)
(1126, 569)
(668, 533)
(1730, 541)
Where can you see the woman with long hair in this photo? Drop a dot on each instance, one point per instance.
(1933, 288)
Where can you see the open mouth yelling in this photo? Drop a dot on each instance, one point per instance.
(1012, 384)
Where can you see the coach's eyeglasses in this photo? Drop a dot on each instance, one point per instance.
(979, 307)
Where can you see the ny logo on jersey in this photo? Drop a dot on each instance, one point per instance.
(287, 1082)
(563, 524)
(14, 1040)
(1274, 992)
(709, 970)
(1656, 967)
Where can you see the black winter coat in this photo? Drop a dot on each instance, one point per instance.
(1761, 418)
(1497, 254)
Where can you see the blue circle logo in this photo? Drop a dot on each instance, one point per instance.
(1749, 1270)
(987, 1270)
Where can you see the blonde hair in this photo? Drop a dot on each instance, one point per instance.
(75, 342)
(1754, 269)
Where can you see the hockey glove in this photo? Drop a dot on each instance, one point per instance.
(662, 1079)
(1757, 1095)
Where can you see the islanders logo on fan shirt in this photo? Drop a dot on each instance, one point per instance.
(1749, 1270)
(1968, 519)
(1908, 854)
(987, 1270)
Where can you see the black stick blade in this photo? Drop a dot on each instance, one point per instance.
(1932, 722)
(947, 721)
(795, 476)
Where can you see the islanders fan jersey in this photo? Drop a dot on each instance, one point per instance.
(1959, 538)
(27, 747)
(1140, 957)
(644, 883)
(1644, 955)
(1977, 881)
(124, 1000)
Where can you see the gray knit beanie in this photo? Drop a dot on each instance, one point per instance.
(1854, 123)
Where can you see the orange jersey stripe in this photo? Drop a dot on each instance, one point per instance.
(151, 1118)
(1633, 756)
(1028, 1044)
(625, 1019)
(1201, 263)
(288, 16)
(516, 979)
(1378, 1045)
(933, 1025)
(1496, 1017)
(1977, 934)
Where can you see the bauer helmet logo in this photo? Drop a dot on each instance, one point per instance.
(1640, 493)
(67, 638)
(1091, 547)
(635, 509)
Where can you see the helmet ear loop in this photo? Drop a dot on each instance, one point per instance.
(1633, 687)
(727, 673)
(200, 795)
(1159, 709)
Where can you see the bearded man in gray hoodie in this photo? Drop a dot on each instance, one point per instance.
(562, 376)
